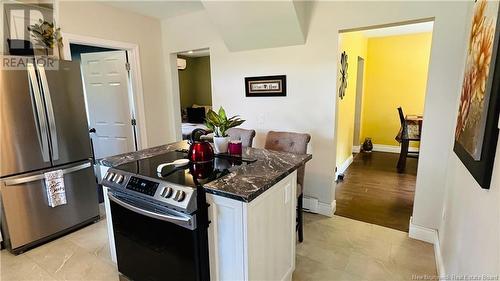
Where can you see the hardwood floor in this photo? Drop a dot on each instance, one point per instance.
(373, 191)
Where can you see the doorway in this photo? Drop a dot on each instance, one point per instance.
(129, 52)
(107, 95)
(359, 101)
(74, 47)
(195, 89)
(387, 70)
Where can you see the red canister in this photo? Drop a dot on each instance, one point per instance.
(235, 147)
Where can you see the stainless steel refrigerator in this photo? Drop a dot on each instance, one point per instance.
(43, 127)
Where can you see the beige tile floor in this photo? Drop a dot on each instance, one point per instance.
(334, 249)
(339, 248)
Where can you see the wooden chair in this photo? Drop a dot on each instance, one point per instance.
(293, 143)
(245, 136)
(407, 133)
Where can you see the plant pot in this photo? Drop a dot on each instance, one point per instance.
(221, 144)
(367, 145)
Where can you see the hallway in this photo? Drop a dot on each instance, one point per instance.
(373, 191)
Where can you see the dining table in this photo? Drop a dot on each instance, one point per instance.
(411, 132)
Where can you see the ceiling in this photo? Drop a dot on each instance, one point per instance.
(159, 9)
(249, 25)
(243, 25)
(400, 29)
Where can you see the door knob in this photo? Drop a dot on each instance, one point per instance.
(92, 130)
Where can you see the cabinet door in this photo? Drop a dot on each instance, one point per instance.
(19, 16)
(270, 232)
(256, 240)
(226, 239)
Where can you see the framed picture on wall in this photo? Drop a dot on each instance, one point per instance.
(266, 86)
(476, 133)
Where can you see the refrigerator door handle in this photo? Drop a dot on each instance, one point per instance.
(50, 112)
(41, 125)
(42, 176)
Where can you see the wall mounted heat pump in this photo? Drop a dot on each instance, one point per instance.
(181, 64)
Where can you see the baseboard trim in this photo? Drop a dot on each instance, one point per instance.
(356, 148)
(312, 205)
(439, 258)
(327, 209)
(422, 233)
(343, 167)
(391, 148)
(431, 236)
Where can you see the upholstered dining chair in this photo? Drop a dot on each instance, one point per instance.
(293, 143)
(409, 132)
(245, 136)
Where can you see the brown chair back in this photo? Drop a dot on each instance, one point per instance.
(245, 136)
(401, 116)
(289, 142)
(402, 119)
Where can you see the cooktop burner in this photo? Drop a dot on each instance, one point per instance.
(191, 175)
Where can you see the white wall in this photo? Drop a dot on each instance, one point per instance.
(106, 22)
(311, 76)
(308, 106)
(469, 233)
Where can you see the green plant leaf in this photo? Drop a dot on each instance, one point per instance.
(45, 34)
(209, 126)
(222, 114)
(219, 123)
(212, 118)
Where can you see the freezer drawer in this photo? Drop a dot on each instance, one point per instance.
(28, 217)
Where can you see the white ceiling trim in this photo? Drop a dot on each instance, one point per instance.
(399, 30)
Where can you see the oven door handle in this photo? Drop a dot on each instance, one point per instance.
(180, 220)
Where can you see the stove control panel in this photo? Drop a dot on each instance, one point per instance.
(142, 185)
(181, 198)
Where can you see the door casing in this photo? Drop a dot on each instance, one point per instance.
(132, 49)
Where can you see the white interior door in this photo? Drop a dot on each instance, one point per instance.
(108, 101)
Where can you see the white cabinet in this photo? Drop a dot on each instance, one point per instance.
(256, 240)
(18, 16)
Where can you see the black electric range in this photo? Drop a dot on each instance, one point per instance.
(160, 220)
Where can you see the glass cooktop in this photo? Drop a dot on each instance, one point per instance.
(193, 174)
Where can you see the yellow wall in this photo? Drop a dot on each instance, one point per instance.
(395, 75)
(354, 44)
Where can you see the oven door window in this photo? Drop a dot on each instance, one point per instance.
(149, 248)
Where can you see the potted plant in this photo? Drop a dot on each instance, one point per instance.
(219, 124)
(48, 36)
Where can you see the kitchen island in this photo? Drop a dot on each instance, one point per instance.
(252, 213)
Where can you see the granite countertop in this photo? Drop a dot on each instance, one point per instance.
(245, 183)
